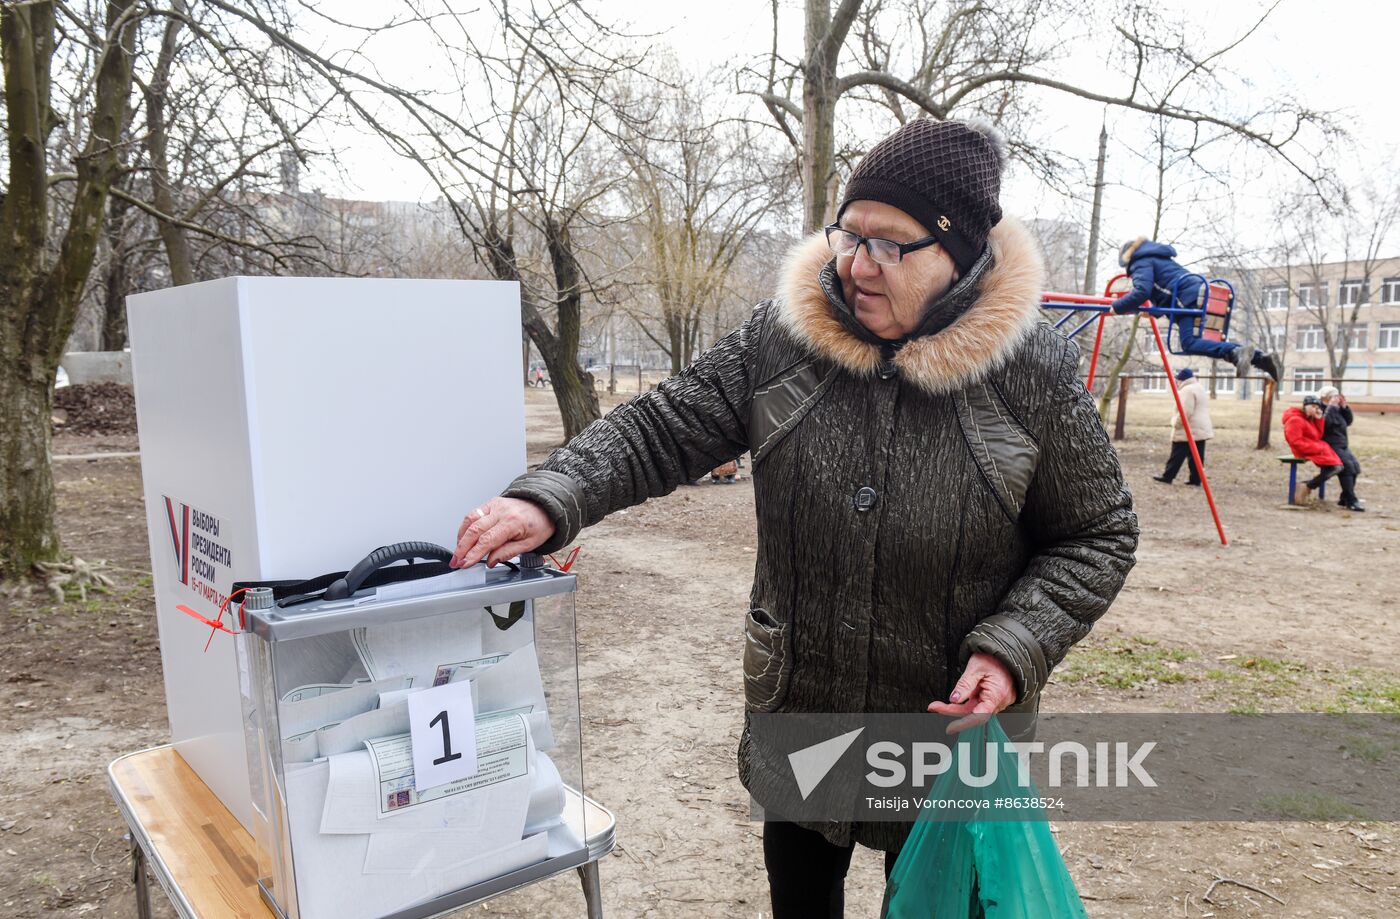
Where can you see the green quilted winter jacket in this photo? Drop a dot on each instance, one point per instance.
(915, 504)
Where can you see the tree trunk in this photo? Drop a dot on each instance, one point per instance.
(818, 144)
(573, 387)
(115, 286)
(117, 281)
(38, 298)
(177, 243)
(823, 37)
(674, 335)
(26, 480)
(1091, 259)
(1109, 382)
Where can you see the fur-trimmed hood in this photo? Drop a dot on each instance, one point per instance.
(978, 342)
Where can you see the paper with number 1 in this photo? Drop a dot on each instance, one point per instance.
(442, 722)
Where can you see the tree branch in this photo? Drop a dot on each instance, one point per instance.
(893, 83)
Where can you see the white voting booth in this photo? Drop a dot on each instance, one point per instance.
(288, 427)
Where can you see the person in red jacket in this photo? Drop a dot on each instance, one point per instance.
(1302, 428)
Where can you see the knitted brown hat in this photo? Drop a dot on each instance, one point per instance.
(944, 174)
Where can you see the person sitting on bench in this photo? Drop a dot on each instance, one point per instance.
(1336, 418)
(1154, 271)
(1303, 429)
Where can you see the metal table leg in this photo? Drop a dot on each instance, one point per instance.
(138, 881)
(592, 889)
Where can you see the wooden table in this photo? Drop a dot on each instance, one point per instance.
(207, 862)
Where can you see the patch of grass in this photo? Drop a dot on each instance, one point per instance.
(1358, 690)
(1127, 666)
(1247, 685)
(1309, 805)
(1367, 749)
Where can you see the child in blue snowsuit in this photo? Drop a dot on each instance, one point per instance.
(1154, 271)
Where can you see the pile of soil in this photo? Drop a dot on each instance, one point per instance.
(95, 408)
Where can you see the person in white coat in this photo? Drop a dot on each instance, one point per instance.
(1196, 406)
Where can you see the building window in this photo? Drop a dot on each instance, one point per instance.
(1276, 298)
(1275, 339)
(1312, 294)
(1310, 338)
(1356, 337)
(1224, 383)
(1388, 338)
(1307, 379)
(1352, 293)
(1155, 382)
(1390, 290)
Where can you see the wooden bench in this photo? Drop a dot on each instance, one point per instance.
(1293, 462)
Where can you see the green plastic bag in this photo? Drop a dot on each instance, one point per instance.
(970, 868)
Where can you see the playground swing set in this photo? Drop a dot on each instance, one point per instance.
(1209, 320)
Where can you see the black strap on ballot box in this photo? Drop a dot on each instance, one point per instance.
(374, 570)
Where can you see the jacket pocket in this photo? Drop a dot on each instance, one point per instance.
(767, 661)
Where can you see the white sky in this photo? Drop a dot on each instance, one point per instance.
(1335, 57)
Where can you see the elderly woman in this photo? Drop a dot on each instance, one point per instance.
(940, 514)
(1336, 420)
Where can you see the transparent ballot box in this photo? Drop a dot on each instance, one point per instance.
(413, 748)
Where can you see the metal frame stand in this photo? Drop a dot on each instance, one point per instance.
(1073, 304)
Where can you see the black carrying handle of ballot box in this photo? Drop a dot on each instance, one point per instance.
(374, 570)
(383, 556)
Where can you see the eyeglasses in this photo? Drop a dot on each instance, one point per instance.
(884, 251)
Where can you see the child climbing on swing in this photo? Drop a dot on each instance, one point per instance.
(1154, 272)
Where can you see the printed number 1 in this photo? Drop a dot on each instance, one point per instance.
(447, 754)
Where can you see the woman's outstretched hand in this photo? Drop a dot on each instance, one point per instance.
(986, 687)
(501, 528)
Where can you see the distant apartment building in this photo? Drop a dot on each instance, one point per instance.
(1294, 307)
(1285, 309)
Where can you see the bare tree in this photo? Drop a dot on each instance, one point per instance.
(978, 57)
(44, 263)
(1352, 231)
(702, 187)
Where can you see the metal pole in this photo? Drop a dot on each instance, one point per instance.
(1094, 358)
(1266, 415)
(1124, 384)
(1186, 429)
(138, 880)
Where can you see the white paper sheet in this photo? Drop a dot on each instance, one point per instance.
(319, 710)
(515, 685)
(546, 797)
(372, 790)
(317, 659)
(425, 849)
(461, 579)
(328, 886)
(350, 735)
(390, 699)
(417, 647)
(465, 670)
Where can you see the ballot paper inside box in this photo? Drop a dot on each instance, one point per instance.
(345, 828)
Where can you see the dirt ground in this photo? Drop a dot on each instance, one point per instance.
(1298, 613)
